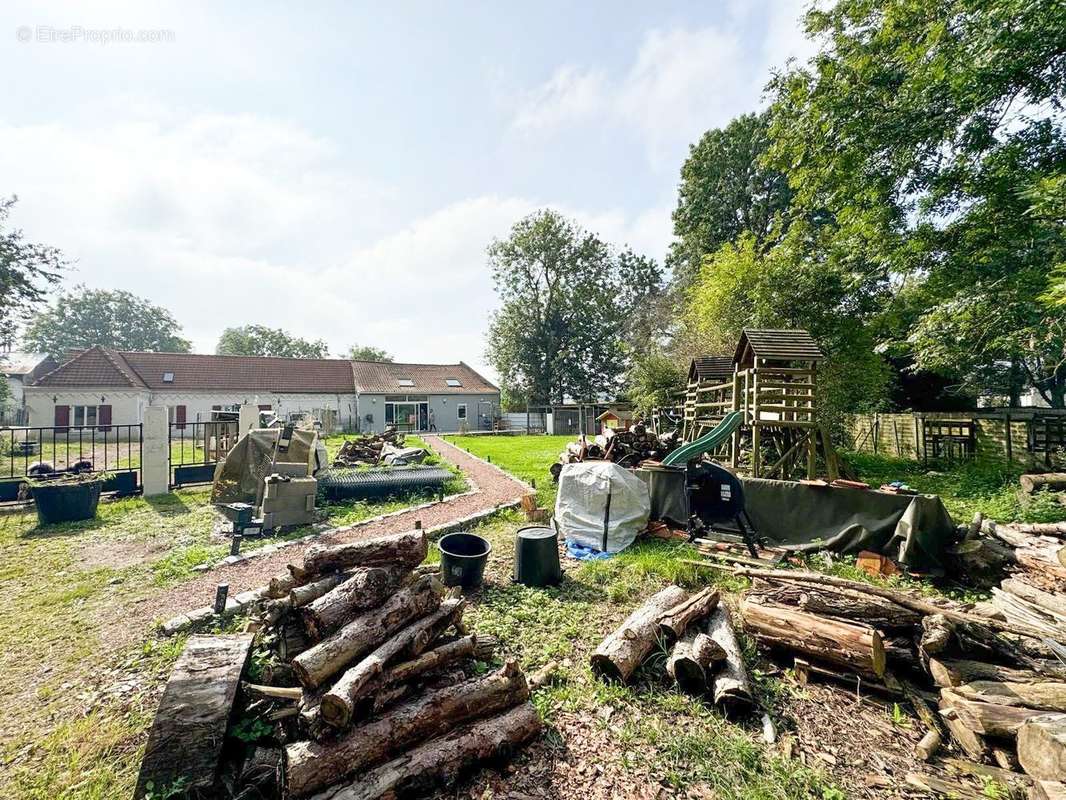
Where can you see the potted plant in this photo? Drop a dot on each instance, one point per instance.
(66, 497)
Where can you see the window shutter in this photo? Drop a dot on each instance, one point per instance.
(62, 417)
(266, 407)
(103, 418)
(179, 417)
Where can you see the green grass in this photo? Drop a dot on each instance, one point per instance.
(526, 457)
(965, 488)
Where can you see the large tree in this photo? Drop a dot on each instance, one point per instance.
(259, 340)
(367, 353)
(84, 317)
(27, 271)
(725, 191)
(570, 309)
(923, 128)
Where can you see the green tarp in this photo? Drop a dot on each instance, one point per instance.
(912, 530)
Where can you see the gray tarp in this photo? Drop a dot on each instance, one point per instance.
(239, 477)
(912, 530)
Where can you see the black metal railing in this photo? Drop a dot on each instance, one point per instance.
(196, 447)
(38, 452)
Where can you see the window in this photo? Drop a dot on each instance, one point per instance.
(168, 377)
(405, 382)
(84, 417)
(390, 414)
(460, 411)
(453, 382)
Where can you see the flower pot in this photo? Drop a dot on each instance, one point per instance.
(66, 502)
(462, 559)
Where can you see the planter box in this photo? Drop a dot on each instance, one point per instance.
(66, 502)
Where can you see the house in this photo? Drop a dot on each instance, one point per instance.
(20, 369)
(615, 418)
(101, 387)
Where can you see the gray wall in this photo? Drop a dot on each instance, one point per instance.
(443, 408)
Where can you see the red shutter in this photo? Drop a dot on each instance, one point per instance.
(103, 418)
(179, 417)
(62, 418)
(267, 407)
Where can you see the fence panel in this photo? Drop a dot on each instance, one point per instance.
(197, 447)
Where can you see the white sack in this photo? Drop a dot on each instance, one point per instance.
(601, 505)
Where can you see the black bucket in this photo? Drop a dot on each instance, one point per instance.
(462, 559)
(536, 556)
(66, 502)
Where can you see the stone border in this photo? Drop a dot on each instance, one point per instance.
(201, 617)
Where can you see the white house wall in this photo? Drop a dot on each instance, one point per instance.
(126, 406)
(443, 407)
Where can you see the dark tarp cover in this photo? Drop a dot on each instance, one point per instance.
(239, 477)
(912, 530)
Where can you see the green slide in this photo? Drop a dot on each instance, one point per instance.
(694, 449)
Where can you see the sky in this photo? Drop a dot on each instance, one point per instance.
(340, 170)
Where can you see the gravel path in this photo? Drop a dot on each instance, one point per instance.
(494, 487)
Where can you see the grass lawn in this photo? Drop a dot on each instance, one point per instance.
(527, 457)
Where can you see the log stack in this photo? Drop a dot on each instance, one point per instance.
(366, 450)
(626, 446)
(371, 681)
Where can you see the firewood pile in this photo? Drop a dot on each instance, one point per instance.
(366, 450)
(370, 686)
(627, 446)
(704, 656)
(990, 677)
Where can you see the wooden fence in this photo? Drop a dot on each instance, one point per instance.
(1029, 437)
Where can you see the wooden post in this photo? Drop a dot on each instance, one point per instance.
(876, 428)
(221, 591)
(734, 454)
(756, 460)
(1010, 443)
(812, 438)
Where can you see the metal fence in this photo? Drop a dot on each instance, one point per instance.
(114, 449)
(197, 447)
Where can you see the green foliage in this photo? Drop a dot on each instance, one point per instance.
(653, 379)
(726, 191)
(919, 133)
(85, 317)
(250, 730)
(27, 271)
(367, 353)
(569, 302)
(171, 791)
(259, 340)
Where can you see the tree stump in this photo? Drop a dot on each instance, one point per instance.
(619, 655)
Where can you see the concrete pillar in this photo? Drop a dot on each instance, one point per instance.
(155, 452)
(249, 418)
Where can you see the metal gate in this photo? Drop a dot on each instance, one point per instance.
(114, 449)
(197, 447)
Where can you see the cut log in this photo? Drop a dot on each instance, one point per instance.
(396, 550)
(368, 587)
(845, 604)
(311, 766)
(469, 646)
(929, 744)
(949, 672)
(280, 586)
(902, 598)
(340, 703)
(276, 692)
(850, 645)
(938, 632)
(1043, 695)
(1005, 775)
(988, 719)
(945, 787)
(619, 655)
(1051, 603)
(302, 595)
(1051, 481)
(971, 743)
(1042, 746)
(1048, 790)
(371, 628)
(438, 763)
(676, 620)
(692, 659)
(186, 738)
(730, 686)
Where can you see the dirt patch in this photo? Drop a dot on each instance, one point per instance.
(118, 555)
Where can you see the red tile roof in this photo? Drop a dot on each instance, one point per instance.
(377, 377)
(101, 367)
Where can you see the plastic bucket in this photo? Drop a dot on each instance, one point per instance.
(536, 556)
(66, 502)
(462, 559)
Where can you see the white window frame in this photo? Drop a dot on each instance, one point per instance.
(83, 422)
(460, 412)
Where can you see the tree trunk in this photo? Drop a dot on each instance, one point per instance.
(340, 703)
(829, 601)
(730, 687)
(399, 549)
(988, 719)
(851, 645)
(619, 655)
(302, 595)
(1042, 747)
(949, 672)
(311, 766)
(368, 587)
(439, 763)
(1044, 695)
(315, 666)
(691, 660)
(1052, 481)
(673, 623)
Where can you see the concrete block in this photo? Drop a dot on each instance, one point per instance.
(155, 451)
